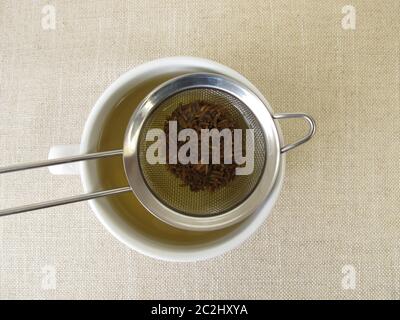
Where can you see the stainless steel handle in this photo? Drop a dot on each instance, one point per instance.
(53, 162)
(58, 202)
(310, 134)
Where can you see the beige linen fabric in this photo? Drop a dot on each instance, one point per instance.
(340, 201)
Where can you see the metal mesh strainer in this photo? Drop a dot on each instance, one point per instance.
(158, 189)
(168, 188)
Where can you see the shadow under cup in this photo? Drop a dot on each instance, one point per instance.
(111, 174)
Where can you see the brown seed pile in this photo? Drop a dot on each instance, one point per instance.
(202, 115)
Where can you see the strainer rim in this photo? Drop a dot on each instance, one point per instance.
(181, 211)
(131, 151)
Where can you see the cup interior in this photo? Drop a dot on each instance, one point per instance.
(123, 215)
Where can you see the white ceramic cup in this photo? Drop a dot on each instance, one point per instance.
(113, 222)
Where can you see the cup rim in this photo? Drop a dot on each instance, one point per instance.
(136, 242)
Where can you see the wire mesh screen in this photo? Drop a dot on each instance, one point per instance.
(169, 189)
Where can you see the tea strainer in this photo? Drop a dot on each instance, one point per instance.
(158, 189)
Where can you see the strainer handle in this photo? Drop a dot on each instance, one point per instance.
(308, 136)
(58, 202)
(53, 162)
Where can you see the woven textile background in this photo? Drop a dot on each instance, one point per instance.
(340, 205)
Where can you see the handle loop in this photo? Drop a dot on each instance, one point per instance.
(310, 134)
